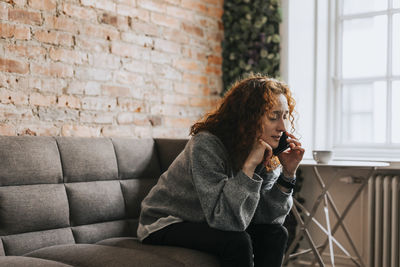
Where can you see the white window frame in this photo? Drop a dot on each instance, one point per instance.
(388, 150)
(309, 50)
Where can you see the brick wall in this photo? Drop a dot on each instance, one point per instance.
(108, 67)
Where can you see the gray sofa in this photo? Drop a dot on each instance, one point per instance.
(68, 201)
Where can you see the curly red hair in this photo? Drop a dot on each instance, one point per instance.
(237, 118)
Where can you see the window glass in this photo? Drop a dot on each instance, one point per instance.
(396, 112)
(364, 113)
(364, 47)
(396, 3)
(362, 6)
(396, 44)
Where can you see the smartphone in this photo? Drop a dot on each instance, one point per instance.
(282, 146)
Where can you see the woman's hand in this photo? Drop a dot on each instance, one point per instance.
(261, 152)
(291, 158)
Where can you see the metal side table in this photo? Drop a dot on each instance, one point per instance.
(326, 198)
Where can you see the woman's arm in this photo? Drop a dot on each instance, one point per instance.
(228, 201)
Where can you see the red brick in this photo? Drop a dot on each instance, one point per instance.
(112, 90)
(194, 78)
(178, 12)
(98, 117)
(28, 51)
(149, 29)
(52, 69)
(176, 99)
(125, 77)
(123, 49)
(22, 32)
(127, 2)
(24, 16)
(106, 61)
(214, 70)
(37, 99)
(68, 101)
(79, 12)
(186, 64)
(6, 30)
(80, 130)
(18, 31)
(39, 130)
(194, 5)
(135, 13)
(99, 103)
(99, 32)
(92, 44)
(61, 23)
(200, 101)
(178, 122)
(214, 59)
(167, 46)
(152, 5)
(108, 5)
(215, 12)
(121, 131)
(129, 104)
(4, 11)
(193, 30)
(48, 85)
(120, 22)
(69, 56)
(175, 35)
(48, 5)
(11, 65)
(53, 37)
(8, 130)
(12, 97)
(164, 20)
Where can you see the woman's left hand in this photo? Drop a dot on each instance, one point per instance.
(291, 158)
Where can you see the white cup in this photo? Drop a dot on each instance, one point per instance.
(322, 156)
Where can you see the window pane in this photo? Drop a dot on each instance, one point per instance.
(396, 44)
(396, 112)
(364, 47)
(364, 113)
(361, 6)
(396, 3)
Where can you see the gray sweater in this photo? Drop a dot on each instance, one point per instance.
(201, 186)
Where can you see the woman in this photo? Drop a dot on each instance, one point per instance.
(226, 193)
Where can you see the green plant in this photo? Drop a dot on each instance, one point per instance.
(251, 38)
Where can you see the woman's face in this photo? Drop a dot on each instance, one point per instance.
(274, 122)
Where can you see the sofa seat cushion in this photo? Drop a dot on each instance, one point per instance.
(20, 261)
(188, 257)
(89, 255)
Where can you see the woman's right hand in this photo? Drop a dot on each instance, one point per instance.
(261, 152)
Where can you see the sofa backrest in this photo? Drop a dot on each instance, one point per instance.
(60, 190)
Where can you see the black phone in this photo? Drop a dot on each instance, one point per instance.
(282, 146)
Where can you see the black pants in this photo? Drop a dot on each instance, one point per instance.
(266, 242)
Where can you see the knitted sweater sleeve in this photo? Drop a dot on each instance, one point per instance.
(274, 205)
(228, 201)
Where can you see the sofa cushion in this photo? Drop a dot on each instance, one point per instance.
(95, 202)
(94, 232)
(168, 150)
(17, 245)
(88, 255)
(2, 253)
(137, 158)
(134, 191)
(188, 257)
(33, 208)
(87, 159)
(18, 261)
(29, 160)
